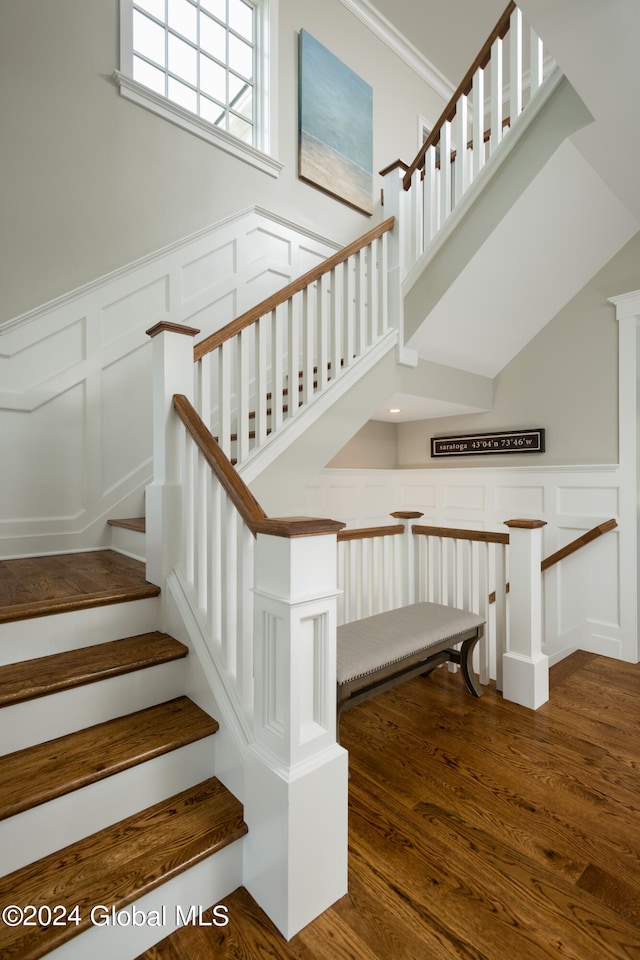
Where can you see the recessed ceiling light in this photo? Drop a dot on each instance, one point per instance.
(394, 410)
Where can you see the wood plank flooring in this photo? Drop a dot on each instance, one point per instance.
(478, 830)
(38, 586)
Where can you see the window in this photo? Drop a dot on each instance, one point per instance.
(204, 64)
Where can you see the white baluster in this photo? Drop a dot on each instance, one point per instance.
(430, 196)
(537, 62)
(462, 155)
(496, 95)
(383, 286)
(308, 344)
(515, 64)
(224, 355)
(244, 339)
(214, 604)
(416, 228)
(277, 363)
(261, 380)
(500, 579)
(478, 122)
(372, 293)
(361, 303)
(322, 301)
(201, 532)
(445, 171)
(349, 312)
(335, 320)
(294, 307)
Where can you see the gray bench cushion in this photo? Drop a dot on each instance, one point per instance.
(366, 646)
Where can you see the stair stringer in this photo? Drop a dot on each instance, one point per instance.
(556, 113)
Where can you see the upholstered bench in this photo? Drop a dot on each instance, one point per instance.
(378, 652)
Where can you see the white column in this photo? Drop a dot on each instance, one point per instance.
(525, 669)
(396, 205)
(173, 372)
(296, 776)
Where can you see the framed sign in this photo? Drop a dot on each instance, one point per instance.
(504, 441)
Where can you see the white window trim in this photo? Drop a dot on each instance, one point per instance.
(267, 100)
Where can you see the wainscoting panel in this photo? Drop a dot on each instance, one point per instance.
(75, 376)
(585, 603)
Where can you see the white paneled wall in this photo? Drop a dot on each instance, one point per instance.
(584, 595)
(75, 376)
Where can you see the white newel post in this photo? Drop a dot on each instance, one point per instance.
(525, 669)
(297, 775)
(409, 594)
(172, 373)
(396, 204)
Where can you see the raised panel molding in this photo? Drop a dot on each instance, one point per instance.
(586, 606)
(78, 368)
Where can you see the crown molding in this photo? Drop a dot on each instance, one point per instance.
(402, 47)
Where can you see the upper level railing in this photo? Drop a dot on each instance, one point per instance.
(502, 80)
(257, 373)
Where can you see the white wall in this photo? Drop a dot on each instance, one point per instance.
(565, 380)
(91, 181)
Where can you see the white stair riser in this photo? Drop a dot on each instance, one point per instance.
(41, 636)
(131, 543)
(204, 884)
(27, 723)
(50, 826)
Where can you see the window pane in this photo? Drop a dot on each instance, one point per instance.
(243, 101)
(213, 38)
(185, 96)
(183, 17)
(213, 79)
(241, 129)
(182, 60)
(212, 112)
(241, 18)
(154, 7)
(240, 57)
(217, 7)
(148, 38)
(150, 76)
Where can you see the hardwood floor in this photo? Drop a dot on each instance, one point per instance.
(478, 830)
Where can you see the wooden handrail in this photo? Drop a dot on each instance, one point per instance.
(236, 489)
(270, 303)
(579, 542)
(449, 112)
(453, 533)
(368, 533)
(230, 480)
(570, 548)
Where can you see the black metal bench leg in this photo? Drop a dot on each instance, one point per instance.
(466, 667)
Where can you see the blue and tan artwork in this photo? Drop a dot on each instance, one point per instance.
(335, 126)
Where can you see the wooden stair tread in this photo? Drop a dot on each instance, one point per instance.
(40, 586)
(119, 864)
(41, 676)
(132, 523)
(48, 770)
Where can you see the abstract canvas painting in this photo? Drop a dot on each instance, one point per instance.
(335, 126)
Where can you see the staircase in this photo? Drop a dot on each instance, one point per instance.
(109, 807)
